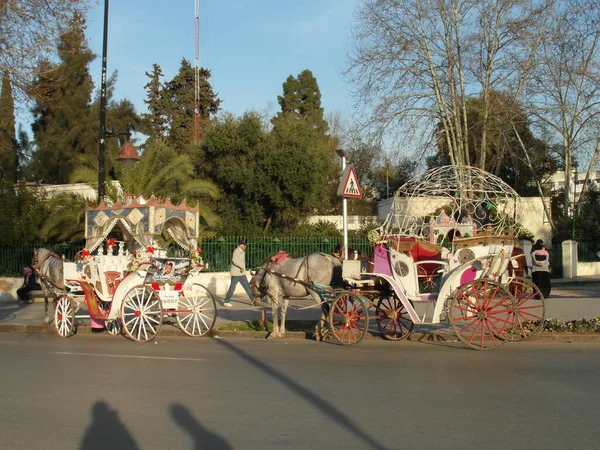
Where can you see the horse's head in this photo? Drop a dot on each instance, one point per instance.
(257, 286)
(36, 257)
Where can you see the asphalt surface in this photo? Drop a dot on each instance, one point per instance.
(571, 299)
(101, 392)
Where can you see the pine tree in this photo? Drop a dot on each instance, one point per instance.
(180, 105)
(62, 123)
(155, 121)
(302, 98)
(9, 162)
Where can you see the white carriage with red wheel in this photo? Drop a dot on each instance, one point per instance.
(125, 278)
(443, 254)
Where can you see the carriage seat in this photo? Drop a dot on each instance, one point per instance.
(420, 251)
(113, 278)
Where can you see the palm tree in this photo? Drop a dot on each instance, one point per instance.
(161, 172)
(66, 222)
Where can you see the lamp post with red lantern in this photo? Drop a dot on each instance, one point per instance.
(128, 154)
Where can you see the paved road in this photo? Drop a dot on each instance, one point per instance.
(100, 392)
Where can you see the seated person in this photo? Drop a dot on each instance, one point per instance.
(29, 284)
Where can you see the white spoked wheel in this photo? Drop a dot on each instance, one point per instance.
(113, 327)
(196, 311)
(141, 314)
(64, 317)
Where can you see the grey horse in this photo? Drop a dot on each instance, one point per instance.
(293, 277)
(49, 269)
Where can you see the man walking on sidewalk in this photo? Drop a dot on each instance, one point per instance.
(238, 273)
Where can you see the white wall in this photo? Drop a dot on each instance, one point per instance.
(588, 268)
(353, 221)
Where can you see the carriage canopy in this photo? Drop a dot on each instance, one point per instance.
(140, 220)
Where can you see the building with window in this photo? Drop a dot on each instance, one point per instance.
(557, 182)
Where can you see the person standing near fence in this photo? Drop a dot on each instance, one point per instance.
(540, 268)
(238, 273)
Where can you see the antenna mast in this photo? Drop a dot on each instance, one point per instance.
(197, 74)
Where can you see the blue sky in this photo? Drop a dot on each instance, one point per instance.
(251, 46)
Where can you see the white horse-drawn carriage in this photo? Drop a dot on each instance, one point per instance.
(445, 251)
(447, 245)
(128, 283)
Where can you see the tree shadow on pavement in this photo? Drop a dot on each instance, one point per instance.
(353, 427)
(204, 439)
(107, 431)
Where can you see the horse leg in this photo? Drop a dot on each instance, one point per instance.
(46, 318)
(263, 319)
(284, 308)
(275, 317)
(322, 327)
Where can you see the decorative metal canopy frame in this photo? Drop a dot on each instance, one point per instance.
(465, 198)
(141, 220)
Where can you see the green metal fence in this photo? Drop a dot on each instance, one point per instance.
(13, 259)
(587, 251)
(216, 253)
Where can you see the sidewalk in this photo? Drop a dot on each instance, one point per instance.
(563, 304)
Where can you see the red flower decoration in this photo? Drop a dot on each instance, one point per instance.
(198, 250)
(85, 253)
(111, 242)
(150, 250)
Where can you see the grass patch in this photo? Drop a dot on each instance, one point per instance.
(255, 325)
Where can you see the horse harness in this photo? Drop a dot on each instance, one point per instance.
(278, 259)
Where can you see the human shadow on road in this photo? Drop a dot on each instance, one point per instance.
(203, 438)
(107, 431)
(352, 426)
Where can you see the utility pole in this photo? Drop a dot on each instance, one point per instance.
(102, 147)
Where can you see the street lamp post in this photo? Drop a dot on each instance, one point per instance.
(128, 154)
(102, 147)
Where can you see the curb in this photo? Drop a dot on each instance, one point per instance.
(302, 335)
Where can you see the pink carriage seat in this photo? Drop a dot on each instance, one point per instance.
(424, 251)
(381, 260)
(113, 278)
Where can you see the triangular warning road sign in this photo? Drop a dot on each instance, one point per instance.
(349, 185)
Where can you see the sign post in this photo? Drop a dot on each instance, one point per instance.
(349, 187)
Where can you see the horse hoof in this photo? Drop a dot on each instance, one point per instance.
(47, 320)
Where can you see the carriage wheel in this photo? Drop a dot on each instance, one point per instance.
(141, 314)
(481, 314)
(348, 318)
(392, 318)
(196, 311)
(64, 317)
(530, 308)
(114, 327)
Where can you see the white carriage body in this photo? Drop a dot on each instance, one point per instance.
(446, 228)
(113, 276)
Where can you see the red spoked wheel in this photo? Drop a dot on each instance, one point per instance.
(392, 318)
(141, 314)
(348, 318)
(482, 314)
(530, 308)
